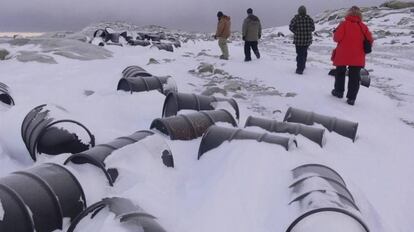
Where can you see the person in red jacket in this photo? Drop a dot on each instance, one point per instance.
(350, 36)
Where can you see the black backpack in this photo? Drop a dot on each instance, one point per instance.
(367, 45)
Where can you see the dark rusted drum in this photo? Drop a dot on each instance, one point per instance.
(42, 133)
(216, 135)
(97, 155)
(5, 96)
(314, 134)
(125, 211)
(175, 102)
(191, 126)
(343, 127)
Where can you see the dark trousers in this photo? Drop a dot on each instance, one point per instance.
(251, 45)
(354, 77)
(301, 56)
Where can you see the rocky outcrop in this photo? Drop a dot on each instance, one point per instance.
(397, 4)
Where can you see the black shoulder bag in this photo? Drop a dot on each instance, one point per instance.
(366, 43)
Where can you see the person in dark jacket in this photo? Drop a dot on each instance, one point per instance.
(252, 32)
(350, 36)
(302, 26)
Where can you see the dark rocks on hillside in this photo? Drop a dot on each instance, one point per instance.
(30, 56)
(397, 4)
(153, 61)
(214, 90)
(3, 54)
(204, 68)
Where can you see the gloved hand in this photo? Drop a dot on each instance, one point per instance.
(214, 36)
(260, 36)
(244, 38)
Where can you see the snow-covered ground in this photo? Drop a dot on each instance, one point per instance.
(240, 186)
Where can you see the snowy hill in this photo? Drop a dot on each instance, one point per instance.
(241, 185)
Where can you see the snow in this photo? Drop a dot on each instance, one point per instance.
(242, 185)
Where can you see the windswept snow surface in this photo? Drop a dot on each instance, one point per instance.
(242, 185)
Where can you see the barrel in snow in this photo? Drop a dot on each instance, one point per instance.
(39, 198)
(313, 134)
(193, 125)
(340, 126)
(5, 96)
(42, 133)
(97, 155)
(216, 135)
(107, 37)
(125, 212)
(164, 46)
(175, 102)
(136, 79)
(365, 78)
(323, 201)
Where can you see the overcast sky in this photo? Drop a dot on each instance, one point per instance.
(191, 15)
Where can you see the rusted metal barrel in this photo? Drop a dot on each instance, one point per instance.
(5, 96)
(125, 211)
(216, 135)
(313, 134)
(136, 79)
(97, 155)
(164, 46)
(175, 102)
(39, 198)
(343, 127)
(323, 202)
(42, 133)
(193, 125)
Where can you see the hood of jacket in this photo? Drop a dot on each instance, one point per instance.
(225, 17)
(353, 18)
(253, 17)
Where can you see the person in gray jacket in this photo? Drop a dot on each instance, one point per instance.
(252, 32)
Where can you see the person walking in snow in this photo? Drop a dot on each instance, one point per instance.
(350, 36)
(251, 32)
(302, 26)
(223, 33)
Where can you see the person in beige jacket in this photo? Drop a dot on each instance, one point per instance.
(223, 33)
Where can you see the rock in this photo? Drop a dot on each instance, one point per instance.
(88, 92)
(213, 90)
(29, 56)
(280, 34)
(210, 84)
(220, 71)
(204, 68)
(233, 86)
(240, 96)
(291, 94)
(153, 61)
(406, 21)
(397, 4)
(168, 60)
(3, 54)
(19, 41)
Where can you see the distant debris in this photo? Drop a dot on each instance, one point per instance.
(69, 48)
(33, 56)
(162, 41)
(3, 54)
(397, 4)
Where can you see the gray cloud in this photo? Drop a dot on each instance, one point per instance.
(193, 15)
